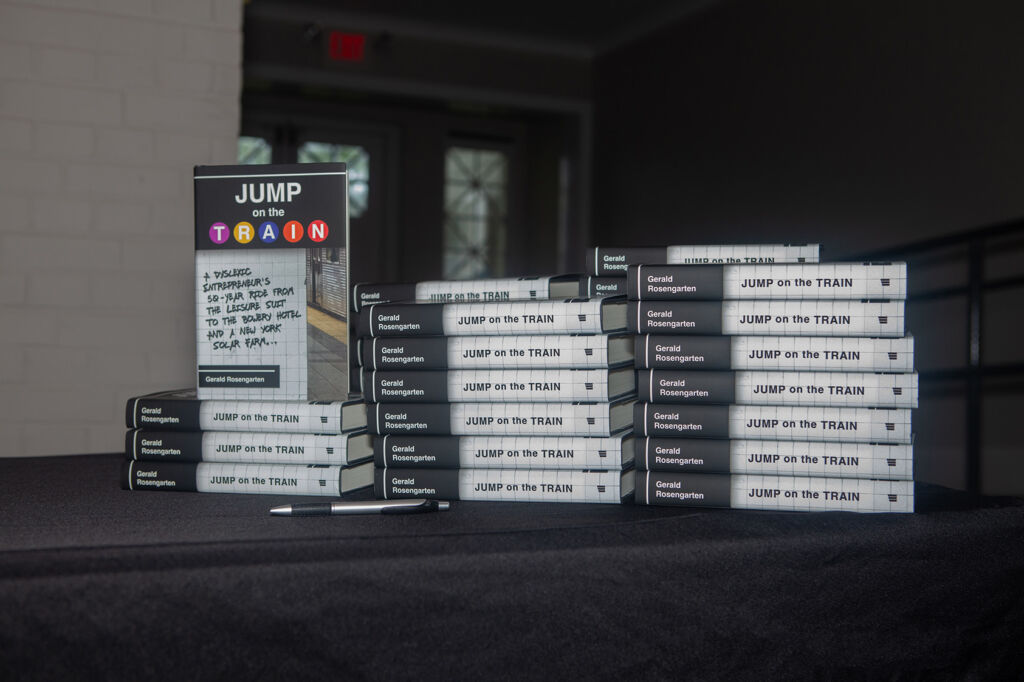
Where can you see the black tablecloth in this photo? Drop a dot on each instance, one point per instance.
(100, 582)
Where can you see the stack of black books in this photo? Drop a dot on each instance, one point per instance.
(176, 442)
(785, 387)
(491, 397)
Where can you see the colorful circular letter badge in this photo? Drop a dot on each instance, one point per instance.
(318, 230)
(293, 231)
(269, 232)
(244, 233)
(219, 233)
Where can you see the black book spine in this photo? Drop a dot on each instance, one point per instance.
(404, 419)
(402, 319)
(364, 295)
(675, 282)
(690, 388)
(430, 352)
(613, 261)
(426, 386)
(433, 484)
(156, 413)
(681, 421)
(657, 351)
(682, 490)
(434, 452)
(690, 455)
(181, 446)
(674, 317)
(175, 476)
(592, 286)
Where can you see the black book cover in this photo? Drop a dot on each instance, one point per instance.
(405, 353)
(690, 455)
(684, 490)
(436, 452)
(663, 351)
(691, 388)
(426, 419)
(675, 282)
(681, 421)
(674, 317)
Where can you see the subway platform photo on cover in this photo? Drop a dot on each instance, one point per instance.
(272, 263)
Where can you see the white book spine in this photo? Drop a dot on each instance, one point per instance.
(540, 486)
(539, 419)
(293, 448)
(826, 389)
(849, 424)
(823, 353)
(812, 493)
(285, 479)
(813, 318)
(539, 452)
(484, 290)
(530, 351)
(842, 460)
(852, 281)
(278, 416)
(522, 317)
(742, 253)
(528, 385)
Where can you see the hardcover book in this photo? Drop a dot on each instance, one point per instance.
(504, 385)
(248, 446)
(468, 291)
(272, 255)
(613, 261)
(504, 485)
(235, 477)
(503, 452)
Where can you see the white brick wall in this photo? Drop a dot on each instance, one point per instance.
(105, 106)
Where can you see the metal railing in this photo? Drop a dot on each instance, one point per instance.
(974, 246)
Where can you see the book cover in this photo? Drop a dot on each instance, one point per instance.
(500, 419)
(272, 254)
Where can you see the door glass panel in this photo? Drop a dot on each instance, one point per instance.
(358, 160)
(475, 212)
(253, 150)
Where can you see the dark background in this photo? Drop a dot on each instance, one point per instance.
(863, 126)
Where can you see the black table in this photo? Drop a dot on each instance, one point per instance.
(100, 582)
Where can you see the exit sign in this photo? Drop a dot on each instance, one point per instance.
(346, 47)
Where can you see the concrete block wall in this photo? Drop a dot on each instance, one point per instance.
(105, 106)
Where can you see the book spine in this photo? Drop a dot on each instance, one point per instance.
(490, 419)
(498, 452)
(555, 351)
(818, 353)
(613, 261)
(573, 316)
(402, 319)
(156, 413)
(367, 294)
(488, 385)
(740, 253)
(226, 477)
(773, 422)
(768, 318)
(776, 457)
(493, 485)
(484, 290)
(832, 281)
(225, 446)
(823, 389)
(270, 415)
(591, 286)
(775, 493)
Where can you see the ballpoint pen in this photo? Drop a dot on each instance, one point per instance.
(411, 506)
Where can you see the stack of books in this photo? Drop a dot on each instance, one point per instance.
(784, 387)
(492, 398)
(606, 266)
(176, 442)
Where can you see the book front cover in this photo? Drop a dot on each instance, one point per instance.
(271, 282)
